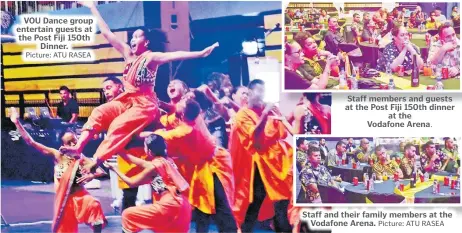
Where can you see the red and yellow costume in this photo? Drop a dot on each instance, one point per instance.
(170, 212)
(73, 203)
(195, 152)
(273, 159)
(129, 113)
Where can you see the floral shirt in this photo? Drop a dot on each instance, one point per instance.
(390, 52)
(452, 164)
(437, 164)
(301, 159)
(310, 175)
(389, 168)
(407, 165)
(452, 58)
(363, 156)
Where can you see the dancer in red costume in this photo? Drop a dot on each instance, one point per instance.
(171, 211)
(73, 203)
(137, 107)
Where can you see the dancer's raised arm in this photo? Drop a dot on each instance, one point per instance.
(137, 180)
(14, 116)
(118, 44)
(157, 58)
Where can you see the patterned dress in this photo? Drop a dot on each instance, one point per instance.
(389, 55)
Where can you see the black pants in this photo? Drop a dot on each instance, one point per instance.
(281, 221)
(129, 198)
(223, 216)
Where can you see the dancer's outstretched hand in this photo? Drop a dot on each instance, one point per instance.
(108, 165)
(14, 115)
(89, 167)
(88, 4)
(85, 178)
(207, 51)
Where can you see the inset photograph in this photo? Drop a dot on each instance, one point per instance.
(367, 170)
(372, 46)
(308, 113)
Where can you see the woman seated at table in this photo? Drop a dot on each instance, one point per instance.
(369, 31)
(419, 16)
(315, 58)
(385, 166)
(313, 174)
(399, 52)
(411, 23)
(294, 79)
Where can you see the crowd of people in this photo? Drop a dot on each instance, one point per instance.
(216, 150)
(311, 59)
(313, 159)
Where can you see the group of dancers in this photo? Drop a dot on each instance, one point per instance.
(175, 153)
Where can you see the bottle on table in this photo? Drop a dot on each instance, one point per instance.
(415, 80)
(439, 83)
(343, 85)
(435, 187)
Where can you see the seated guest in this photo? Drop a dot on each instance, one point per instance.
(336, 154)
(366, 18)
(68, 108)
(350, 147)
(369, 31)
(293, 79)
(363, 153)
(390, 24)
(313, 174)
(324, 17)
(411, 23)
(409, 161)
(357, 26)
(439, 17)
(399, 154)
(313, 56)
(419, 16)
(399, 52)
(432, 22)
(446, 49)
(455, 16)
(380, 17)
(450, 163)
(333, 37)
(385, 165)
(431, 159)
(302, 147)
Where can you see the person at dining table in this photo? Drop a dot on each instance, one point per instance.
(450, 164)
(357, 26)
(314, 174)
(419, 16)
(369, 31)
(336, 154)
(446, 49)
(324, 17)
(302, 147)
(409, 161)
(294, 79)
(432, 22)
(385, 166)
(455, 16)
(333, 37)
(363, 152)
(440, 17)
(431, 159)
(399, 52)
(366, 18)
(315, 58)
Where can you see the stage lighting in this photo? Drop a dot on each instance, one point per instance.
(250, 48)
